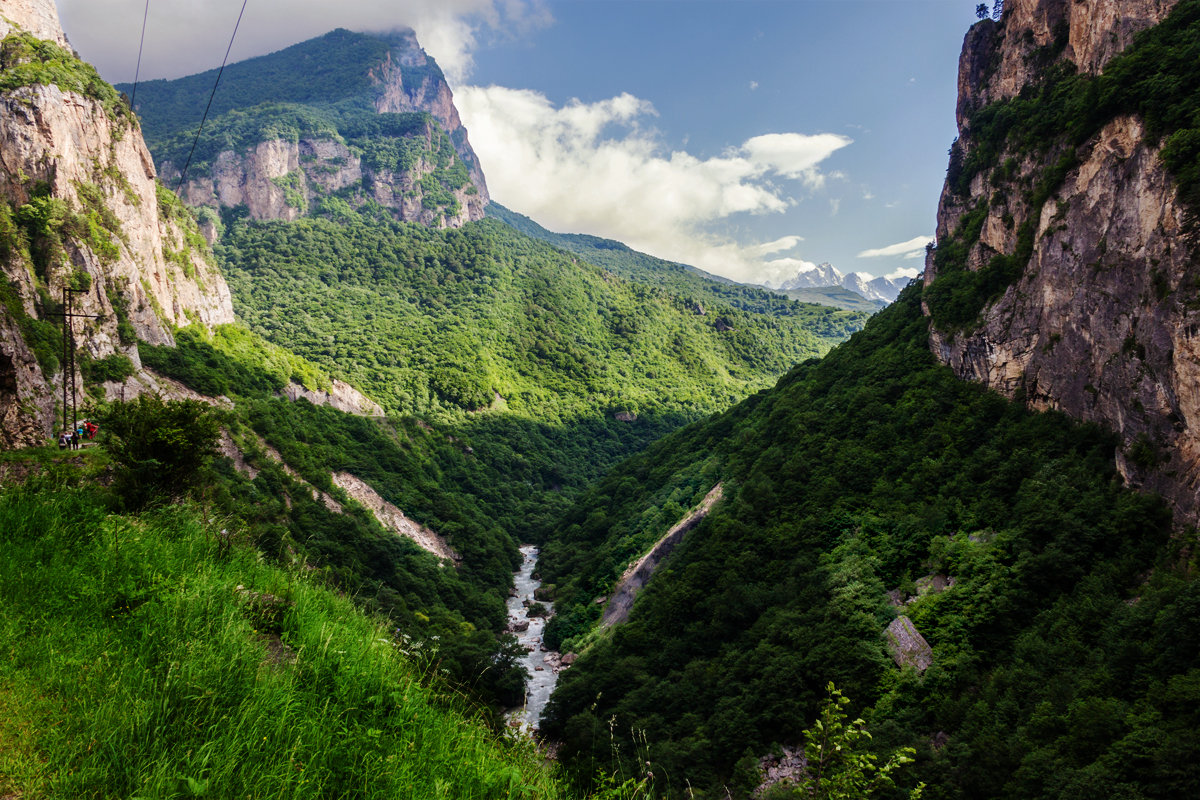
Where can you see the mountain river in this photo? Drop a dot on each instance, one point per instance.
(543, 665)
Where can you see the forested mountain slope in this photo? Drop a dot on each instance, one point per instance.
(1064, 645)
(875, 495)
(545, 368)
(686, 281)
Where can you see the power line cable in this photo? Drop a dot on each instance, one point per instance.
(213, 94)
(138, 71)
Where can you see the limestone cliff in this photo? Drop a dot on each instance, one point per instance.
(346, 117)
(79, 208)
(1081, 246)
(430, 93)
(282, 179)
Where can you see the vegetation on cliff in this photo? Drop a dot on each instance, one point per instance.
(1062, 653)
(26, 60)
(1055, 120)
(323, 89)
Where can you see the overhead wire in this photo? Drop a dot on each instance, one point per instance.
(216, 83)
(138, 71)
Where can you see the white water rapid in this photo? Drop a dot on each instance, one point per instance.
(542, 664)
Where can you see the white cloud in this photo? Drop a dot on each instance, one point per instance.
(753, 85)
(780, 245)
(905, 272)
(191, 36)
(795, 155)
(595, 168)
(913, 248)
(779, 270)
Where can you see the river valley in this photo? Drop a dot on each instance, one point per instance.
(541, 664)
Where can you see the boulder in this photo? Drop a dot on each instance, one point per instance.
(907, 646)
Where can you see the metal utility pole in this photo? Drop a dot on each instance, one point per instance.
(68, 359)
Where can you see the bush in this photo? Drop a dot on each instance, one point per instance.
(159, 447)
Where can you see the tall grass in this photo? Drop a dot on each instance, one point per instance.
(141, 657)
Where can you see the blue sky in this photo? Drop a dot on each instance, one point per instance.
(748, 137)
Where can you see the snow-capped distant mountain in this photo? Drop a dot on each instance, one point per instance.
(823, 274)
(885, 288)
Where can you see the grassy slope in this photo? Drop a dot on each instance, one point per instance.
(133, 665)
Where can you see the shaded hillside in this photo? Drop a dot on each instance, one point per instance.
(1064, 642)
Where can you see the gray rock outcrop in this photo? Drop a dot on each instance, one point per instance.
(907, 646)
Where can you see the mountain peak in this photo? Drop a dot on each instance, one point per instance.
(355, 117)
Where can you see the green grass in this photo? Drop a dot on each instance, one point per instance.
(133, 665)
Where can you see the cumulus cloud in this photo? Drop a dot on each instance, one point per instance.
(795, 155)
(599, 168)
(780, 245)
(191, 36)
(913, 248)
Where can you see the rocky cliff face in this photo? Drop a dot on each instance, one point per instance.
(430, 94)
(1102, 321)
(998, 60)
(79, 207)
(34, 16)
(279, 179)
(285, 178)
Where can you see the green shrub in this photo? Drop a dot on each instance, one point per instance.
(159, 448)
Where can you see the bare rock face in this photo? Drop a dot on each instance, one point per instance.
(432, 95)
(340, 395)
(1103, 322)
(1000, 58)
(26, 402)
(39, 17)
(138, 256)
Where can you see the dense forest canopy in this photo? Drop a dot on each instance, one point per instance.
(863, 473)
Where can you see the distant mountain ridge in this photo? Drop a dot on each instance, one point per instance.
(343, 119)
(883, 289)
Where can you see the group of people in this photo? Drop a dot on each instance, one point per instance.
(71, 440)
